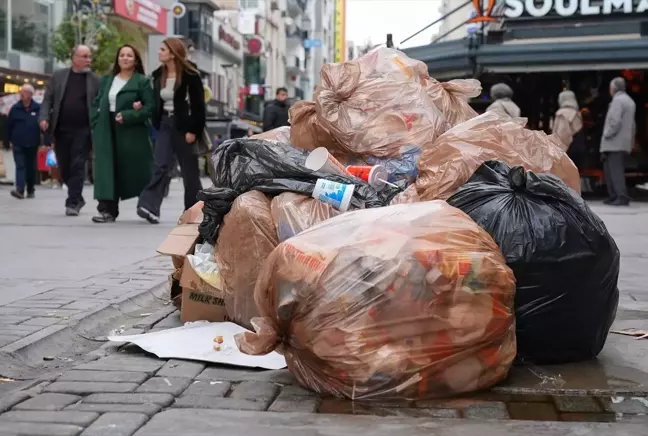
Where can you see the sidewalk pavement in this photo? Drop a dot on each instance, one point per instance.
(126, 391)
(60, 276)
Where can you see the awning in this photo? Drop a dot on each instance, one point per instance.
(452, 59)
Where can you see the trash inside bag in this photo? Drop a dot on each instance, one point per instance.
(246, 239)
(202, 262)
(453, 158)
(294, 213)
(409, 301)
(307, 131)
(408, 196)
(378, 104)
(565, 261)
(242, 165)
(50, 159)
(403, 168)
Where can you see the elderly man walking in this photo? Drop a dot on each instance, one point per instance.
(617, 141)
(65, 112)
(23, 135)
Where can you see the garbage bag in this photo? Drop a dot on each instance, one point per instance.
(409, 301)
(565, 261)
(453, 158)
(452, 98)
(280, 134)
(294, 213)
(403, 168)
(247, 238)
(242, 165)
(409, 195)
(308, 133)
(377, 104)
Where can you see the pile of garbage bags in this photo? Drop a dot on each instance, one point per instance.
(431, 249)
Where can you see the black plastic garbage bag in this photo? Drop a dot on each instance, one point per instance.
(565, 262)
(242, 165)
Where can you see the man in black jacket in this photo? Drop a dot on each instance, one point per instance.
(276, 112)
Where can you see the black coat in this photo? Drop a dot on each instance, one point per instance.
(189, 114)
(275, 115)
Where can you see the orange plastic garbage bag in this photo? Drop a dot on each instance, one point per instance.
(293, 213)
(378, 104)
(246, 238)
(455, 156)
(452, 98)
(409, 195)
(280, 134)
(409, 301)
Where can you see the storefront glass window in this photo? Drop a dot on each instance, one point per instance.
(30, 26)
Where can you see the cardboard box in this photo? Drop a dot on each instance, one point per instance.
(182, 239)
(200, 301)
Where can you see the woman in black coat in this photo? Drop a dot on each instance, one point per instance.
(179, 121)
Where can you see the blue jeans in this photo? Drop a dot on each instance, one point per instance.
(25, 159)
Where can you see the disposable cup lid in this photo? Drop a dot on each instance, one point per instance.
(317, 159)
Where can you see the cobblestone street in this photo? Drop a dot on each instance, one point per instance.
(121, 390)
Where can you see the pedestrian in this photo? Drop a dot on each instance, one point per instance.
(617, 141)
(568, 127)
(276, 112)
(503, 94)
(22, 133)
(65, 112)
(179, 120)
(123, 151)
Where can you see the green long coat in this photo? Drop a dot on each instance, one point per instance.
(122, 172)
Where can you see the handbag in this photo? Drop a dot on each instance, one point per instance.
(203, 144)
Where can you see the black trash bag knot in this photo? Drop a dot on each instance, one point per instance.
(518, 178)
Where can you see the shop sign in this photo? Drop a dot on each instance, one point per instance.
(228, 39)
(568, 8)
(144, 12)
(339, 27)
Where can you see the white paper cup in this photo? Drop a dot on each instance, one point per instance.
(336, 194)
(321, 160)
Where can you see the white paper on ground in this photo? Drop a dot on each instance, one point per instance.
(195, 341)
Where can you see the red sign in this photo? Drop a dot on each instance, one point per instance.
(144, 12)
(228, 39)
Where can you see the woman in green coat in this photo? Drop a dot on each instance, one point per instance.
(123, 153)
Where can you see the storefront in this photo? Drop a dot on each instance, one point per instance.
(139, 18)
(541, 48)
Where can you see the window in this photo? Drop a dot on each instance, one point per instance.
(30, 26)
(3, 26)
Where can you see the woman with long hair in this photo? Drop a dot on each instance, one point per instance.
(123, 151)
(179, 120)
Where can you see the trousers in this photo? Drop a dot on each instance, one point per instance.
(614, 171)
(72, 149)
(25, 159)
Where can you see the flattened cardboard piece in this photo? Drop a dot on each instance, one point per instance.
(193, 215)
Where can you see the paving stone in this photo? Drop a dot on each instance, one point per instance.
(70, 387)
(39, 304)
(36, 429)
(147, 409)
(341, 406)
(116, 424)
(198, 402)
(82, 305)
(181, 368)
(294, 405)
(225, 374)
(20, 330)
(124, 362)
(577, 404)
(136, 398)
(165, 385)
(48, 402)
(255, 391)
(295, 391)
(492, 410)
(39, 321)
(56, 313)
(62, 417)
(629, 406)
(528, 411)
(171, 321)
(10, 400)
(9, 339)
(12, 319)
(588, 417)
(104, 376)
(208, 389)
(430, 413)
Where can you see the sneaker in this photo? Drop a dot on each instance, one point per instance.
(74, 211)
(643, 186)
(103, 218)
(148, 215)
(31, 195)
(18, 195)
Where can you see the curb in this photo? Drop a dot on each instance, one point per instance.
(51, 341)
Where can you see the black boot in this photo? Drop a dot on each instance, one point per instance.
(103, 218)
(17, 194)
